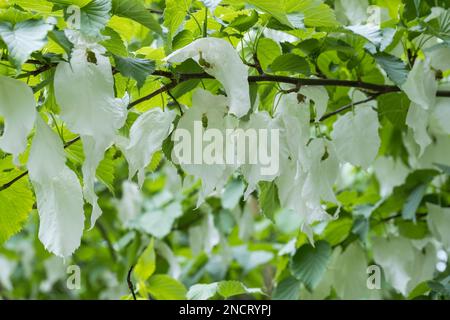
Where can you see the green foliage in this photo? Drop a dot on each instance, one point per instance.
(309, 263)
(135, 10)
(138, 69)
(357, 89)
(16, 203)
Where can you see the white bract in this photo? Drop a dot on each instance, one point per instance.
(308, 169)
(18, 107)
(219, 59)
(421, 85)
(84, 89)
(204, 237)
(129, 206)
(355, 136)
(350, 273)
(417, 119)
(58, 193)
(253, 173)
(404, 264)
(209, 108)
(319, 96)
(439, 223)
(146, 137)
(23, 38)
(390, 174)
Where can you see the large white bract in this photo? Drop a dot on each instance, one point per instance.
(18, 107)
(58, 193)
(219, 59)
(84, 89)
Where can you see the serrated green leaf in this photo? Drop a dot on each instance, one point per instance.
(244, 22)
(290, 62)
(287, 289)
(175, 13)
(394, 106)
(16, 202)
(310, 263)
(146, 264)
(115, 43)
(267, 51)
(136, 10)
(138, 69)
(395, 68)
(163, 287)
(268, 199)
(413, 201)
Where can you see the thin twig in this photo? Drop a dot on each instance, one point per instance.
(346, 107)
(130, 283)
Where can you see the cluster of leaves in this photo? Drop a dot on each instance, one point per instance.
(358, 89)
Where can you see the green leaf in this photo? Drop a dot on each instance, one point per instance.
(287, 289)
(163, 287)
(233, 288)
(146, 264)
(412, 230)
(16, 202)
(182, 39)
(232, 194)
(94, 16)
(244, 22)
(105, 170)
(444, 168)
(138, 69)
(268, 199)
(136, 10)
(225, 288)
(202, 291)
(115, 43)
(267, 51)
(310, 263)
(395, 68)
(24, 38)
(290, 62)
(13, 16)
(394, 106)
(317, 13)
(60, 38)
(175, 13)
(78, 3)
(337, 230)
(413, 201)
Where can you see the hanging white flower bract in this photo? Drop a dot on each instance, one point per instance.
(355, 136)
(58, 193)
(319, 96)
(265, 159)
(208, 111)
(84, 89)
(18, 107)
(421, 85)
(219, 59)
(308, 167)
(146, 137)
(417, 120)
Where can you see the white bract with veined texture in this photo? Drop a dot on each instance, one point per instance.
(219, 59)
(58, 193)
(17, 106)
(84, 90)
